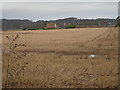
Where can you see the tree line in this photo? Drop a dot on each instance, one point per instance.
(72, 22)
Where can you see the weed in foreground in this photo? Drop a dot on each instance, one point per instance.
(13, 56)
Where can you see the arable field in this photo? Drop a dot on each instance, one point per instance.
(61, 58)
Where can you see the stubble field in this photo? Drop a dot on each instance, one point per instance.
(61, 58)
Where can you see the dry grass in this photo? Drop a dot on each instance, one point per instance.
(59, 59)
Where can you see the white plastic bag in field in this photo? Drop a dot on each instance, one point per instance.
(92, 56)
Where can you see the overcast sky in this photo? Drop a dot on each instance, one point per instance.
(60, 0)
(56, 10)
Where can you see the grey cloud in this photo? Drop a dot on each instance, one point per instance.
(60, 0)
(56, 10)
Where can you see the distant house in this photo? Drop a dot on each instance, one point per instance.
(51, 26)
(66, 24)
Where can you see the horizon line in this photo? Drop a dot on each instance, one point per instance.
(55, 19)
